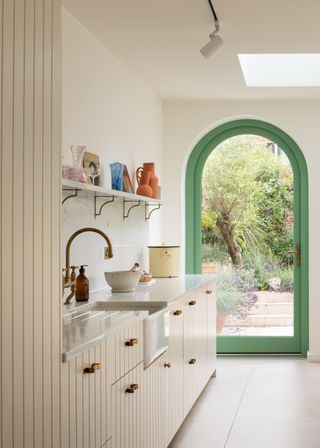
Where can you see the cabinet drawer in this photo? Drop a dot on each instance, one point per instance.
(127, 410)
(85, 398)
(195, 347)
(174, 375)
(128, 349)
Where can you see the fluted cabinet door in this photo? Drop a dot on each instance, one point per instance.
(195, 347)
(128, 349)
(127, 410)
(173, 380)
(86, 398)
(212, 332)
(30, 276)
(155, 403)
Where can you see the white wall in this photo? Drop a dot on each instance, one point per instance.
(105, 106)
(185, 122)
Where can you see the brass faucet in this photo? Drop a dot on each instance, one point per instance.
(69, 281)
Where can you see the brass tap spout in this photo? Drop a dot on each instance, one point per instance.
(67, 279)
(78, 232)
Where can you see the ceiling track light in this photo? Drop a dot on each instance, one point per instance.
(215, 41)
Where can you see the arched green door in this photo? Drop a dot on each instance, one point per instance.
(298, 343)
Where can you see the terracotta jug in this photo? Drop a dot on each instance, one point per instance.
(154, 181)
(143, 179)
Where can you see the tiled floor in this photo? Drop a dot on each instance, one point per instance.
(256, 402)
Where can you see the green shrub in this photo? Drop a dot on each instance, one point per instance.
(265, 267)
(235, 292)
(215, 253)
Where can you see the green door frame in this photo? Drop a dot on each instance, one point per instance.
(298, 343)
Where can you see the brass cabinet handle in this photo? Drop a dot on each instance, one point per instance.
(167, 364)
(208, 291)
(132, 342)
(94, 367)
(177, 312)
(193, 302)
(192, 361)
(132, 389)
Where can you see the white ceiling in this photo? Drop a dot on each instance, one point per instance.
(159, 40)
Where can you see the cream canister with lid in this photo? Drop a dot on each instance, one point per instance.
(164, 261)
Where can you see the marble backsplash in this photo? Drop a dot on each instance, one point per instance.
(130, 238)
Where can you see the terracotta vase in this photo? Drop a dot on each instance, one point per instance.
(154, 181)
(143, 179)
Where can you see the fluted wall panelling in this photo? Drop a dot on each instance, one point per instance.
(30, 223)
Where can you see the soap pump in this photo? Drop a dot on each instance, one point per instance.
(82, 286)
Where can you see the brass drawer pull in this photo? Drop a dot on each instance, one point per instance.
(193, 302)
(177, 312)
(208, 291)
(132, 389)
(132, 342)
(167, 364)
(94, 367)
(192, 361)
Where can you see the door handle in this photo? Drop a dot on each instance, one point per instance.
(132, 389)
(132, 342)
(94, 367)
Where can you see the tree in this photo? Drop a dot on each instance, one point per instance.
(241, 181)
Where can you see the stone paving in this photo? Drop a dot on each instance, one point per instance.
(272, 316)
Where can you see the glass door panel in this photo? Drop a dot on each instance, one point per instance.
(249, 236)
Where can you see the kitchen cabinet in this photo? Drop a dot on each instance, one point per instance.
(127, 410)
(85, 397)
(123, 404)
(173, 380)
(195, 347)
(212, 332)
(155, 401)
(128, 349)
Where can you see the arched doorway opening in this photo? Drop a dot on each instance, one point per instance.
(298, 343)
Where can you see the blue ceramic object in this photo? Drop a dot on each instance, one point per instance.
(116, 175)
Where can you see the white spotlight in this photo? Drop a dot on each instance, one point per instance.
(212, 46)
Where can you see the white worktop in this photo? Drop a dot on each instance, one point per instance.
(162, 292)
(84, 325)
(85, 328)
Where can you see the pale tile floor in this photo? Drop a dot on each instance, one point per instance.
(256, 402)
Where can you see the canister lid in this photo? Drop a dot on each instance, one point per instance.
(161, 247)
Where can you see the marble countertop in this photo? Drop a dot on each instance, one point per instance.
(159, 293)
(85, 324)
(85, 328)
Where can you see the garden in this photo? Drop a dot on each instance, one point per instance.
(247, 232)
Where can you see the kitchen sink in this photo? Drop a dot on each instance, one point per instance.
(85, 326)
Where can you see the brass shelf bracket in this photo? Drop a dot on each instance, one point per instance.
(125, 214)
(73, 195)
(96, 196)
(147, 212)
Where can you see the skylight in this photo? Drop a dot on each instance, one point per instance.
(281, 70)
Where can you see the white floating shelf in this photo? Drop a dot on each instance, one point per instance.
(69, 186)
(74, 185)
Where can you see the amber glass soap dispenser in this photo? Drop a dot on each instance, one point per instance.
(82, 286)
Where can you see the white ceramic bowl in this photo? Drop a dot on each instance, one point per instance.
(122, 281)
